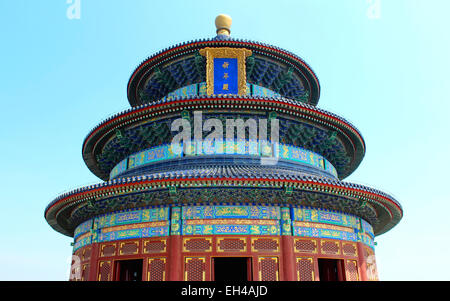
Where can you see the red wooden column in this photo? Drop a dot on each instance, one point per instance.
(175, 259)
(93, 262)
(288, 258)
(362, 262)
(287, 246)
(341, 270)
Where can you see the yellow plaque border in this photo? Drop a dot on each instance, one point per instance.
(225, 52)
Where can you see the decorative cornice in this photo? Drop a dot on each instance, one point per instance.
(188, 48)
(164, 107)
(387, 204)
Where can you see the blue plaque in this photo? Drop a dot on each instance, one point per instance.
(225, 76)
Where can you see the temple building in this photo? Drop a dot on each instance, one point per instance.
(223, 168)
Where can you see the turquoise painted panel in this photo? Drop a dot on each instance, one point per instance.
(359, 230)
(231, 229)
(367, 240)
(330, 168)
(286, 227)
(133, 233)
(83, 228)
(245, 147)
(261, 91)
(119, 168)
(301, 155)
(175, 221)
(367, 228)
(82, 243)
(186, 91)
(325, 233)
(225, 219)
(326, 217)
(132, 217)
(200, 90)
(164, 152)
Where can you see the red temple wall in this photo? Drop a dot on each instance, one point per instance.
(189, 258)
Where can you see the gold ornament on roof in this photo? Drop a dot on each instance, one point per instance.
(223, 24)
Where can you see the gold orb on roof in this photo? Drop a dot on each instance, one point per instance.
(223, 24)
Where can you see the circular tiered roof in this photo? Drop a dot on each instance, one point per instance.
(349, 136)
(181, 65)
(70, 209)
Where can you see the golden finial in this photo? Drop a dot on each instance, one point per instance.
(223, 24)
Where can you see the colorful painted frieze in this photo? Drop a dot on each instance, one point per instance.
(366, 239)
(223, 88)
(326, 217)
(298, 154)
(83, 228)
(134, 231)
(224, 219)
(164, 152)
(330, 168)
(132, 217)
(212, 212)
(175, 221)
(367, 228)
(230, 226)
(286, 228)
(119, 168)
(191, 90)
(226, 146)
(319, 232)
(202, 89)
(264, 92)
(84, 241)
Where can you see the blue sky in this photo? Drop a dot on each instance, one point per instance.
(384, 68)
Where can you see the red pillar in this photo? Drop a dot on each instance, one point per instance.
(288, 258)
(175, 259)
(93, 263)
(341, 270)
(362, 262)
